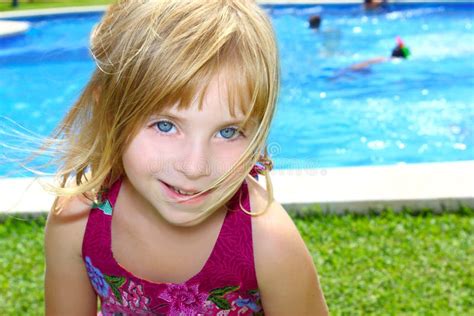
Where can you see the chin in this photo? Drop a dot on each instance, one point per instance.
(184, 219)
(183, 215)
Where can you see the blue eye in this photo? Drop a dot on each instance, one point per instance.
(228, 132)
(164, 126)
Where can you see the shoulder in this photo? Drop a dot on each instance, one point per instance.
(286, 274)
(66, 228)
(274, 231)
(274, 222)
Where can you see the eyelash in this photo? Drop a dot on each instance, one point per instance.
(238, 132)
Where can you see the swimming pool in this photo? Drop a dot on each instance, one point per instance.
(418, 110)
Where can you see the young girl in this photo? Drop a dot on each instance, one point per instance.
(159, 210)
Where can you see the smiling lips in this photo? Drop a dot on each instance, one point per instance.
(175, 192)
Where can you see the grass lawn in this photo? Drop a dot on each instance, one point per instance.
(385, 264)
(5, 5)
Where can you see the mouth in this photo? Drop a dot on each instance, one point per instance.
(181, 191)
(178, 193)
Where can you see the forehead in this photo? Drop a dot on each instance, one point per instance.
(218, 97)
(213, 112)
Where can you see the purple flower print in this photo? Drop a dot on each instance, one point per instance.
(134, 297)
(184, 300)
(110, 308)
(97, 279)
(133, 302)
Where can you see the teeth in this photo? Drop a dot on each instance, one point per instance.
(183, 192)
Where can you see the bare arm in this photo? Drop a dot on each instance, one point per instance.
(367, 63)
(287, 278)
(67, 287)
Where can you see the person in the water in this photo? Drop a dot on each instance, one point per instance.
(372, 5)
(314, 22)
(399, 52)
(329, 38)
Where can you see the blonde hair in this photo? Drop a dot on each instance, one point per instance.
(152, 54)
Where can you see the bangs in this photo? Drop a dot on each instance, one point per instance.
(243, 94)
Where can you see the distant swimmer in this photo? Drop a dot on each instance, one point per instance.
(372, 5)
(329, 37)
(400, 51)
(314, 22)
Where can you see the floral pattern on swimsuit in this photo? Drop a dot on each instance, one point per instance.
(124, 297)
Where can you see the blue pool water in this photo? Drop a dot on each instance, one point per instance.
(416, 110)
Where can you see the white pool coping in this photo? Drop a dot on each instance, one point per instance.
(437, 186)
(13, 28)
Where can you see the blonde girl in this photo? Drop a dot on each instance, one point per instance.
(158, 209)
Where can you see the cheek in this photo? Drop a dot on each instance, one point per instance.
(132, 159)
(224, 160)
(143, 156)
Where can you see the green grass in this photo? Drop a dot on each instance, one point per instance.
(5, 5)
(21, 266)
(378, 264)
(394, 264)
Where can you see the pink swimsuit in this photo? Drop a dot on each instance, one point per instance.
(226, 285)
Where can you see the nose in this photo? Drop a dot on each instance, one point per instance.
(195, 161)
